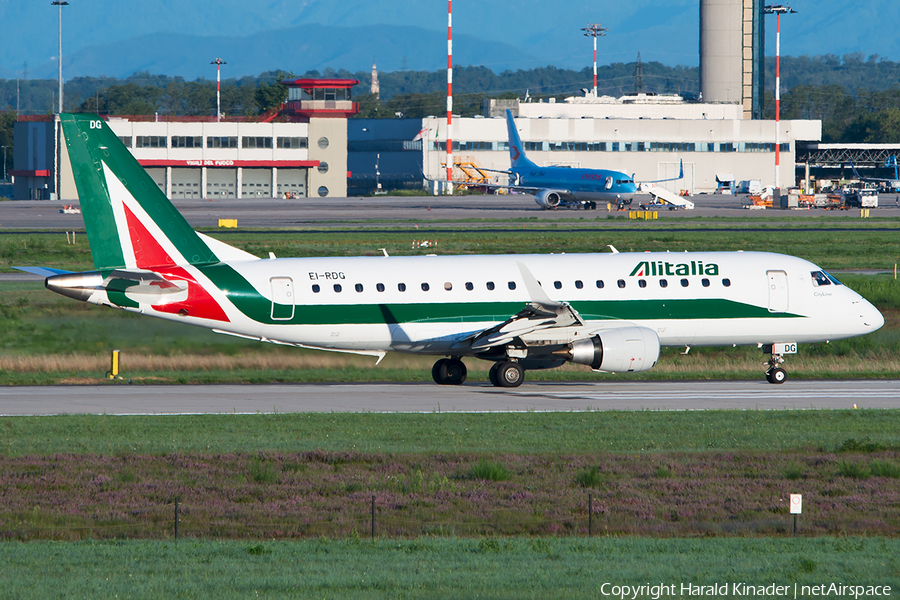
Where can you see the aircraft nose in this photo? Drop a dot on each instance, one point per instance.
(872, 319)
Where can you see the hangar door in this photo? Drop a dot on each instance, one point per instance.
(256, 183)
(293, 182)
(186, 183)
(158, 175)
(670, 170)
(220, 183)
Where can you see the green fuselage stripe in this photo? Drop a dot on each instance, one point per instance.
(259, 308)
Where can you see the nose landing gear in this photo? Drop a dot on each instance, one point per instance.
(774, 372)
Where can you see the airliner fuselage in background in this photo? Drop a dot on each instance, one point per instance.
(610, 311)
(555, 187)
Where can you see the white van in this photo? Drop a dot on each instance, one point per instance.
(750, 186)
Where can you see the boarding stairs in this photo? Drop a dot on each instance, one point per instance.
(663, 196)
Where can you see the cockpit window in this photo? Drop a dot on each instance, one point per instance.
(820, 278)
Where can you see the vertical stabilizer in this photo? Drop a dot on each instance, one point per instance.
(129, 221)
(517, 158)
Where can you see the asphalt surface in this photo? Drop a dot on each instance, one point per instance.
(122, 399)
(339, 212)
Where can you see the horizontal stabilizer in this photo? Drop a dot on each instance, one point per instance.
(42, 271)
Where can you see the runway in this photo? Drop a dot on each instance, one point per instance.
(123, 399)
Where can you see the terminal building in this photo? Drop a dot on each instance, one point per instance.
(298, 151)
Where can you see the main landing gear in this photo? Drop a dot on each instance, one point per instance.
(449, 371)
(507, 374)
(452, 371)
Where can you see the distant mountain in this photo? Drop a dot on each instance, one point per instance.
(178, 37)
(299, 49)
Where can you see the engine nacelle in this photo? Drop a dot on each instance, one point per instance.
(548, 198)
(621, 350)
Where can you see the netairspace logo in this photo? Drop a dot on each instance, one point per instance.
(744, 590)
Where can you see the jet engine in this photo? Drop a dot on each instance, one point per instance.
(548, 198)
(620, 350)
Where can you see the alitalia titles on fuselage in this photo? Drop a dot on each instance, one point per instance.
(647, 268)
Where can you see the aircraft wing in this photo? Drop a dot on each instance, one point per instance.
(540, 313)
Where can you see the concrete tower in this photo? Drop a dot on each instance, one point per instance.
(731, 53)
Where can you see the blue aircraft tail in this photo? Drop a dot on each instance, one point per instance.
(517, 156)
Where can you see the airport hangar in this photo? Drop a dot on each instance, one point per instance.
(299, 150)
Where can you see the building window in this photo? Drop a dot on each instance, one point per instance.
(221, 142)
(323, 191)
(126, 140)
(150, 141)
(293, 142)
(323, 167)
(256, 142)
(323, 142)
(187, 141)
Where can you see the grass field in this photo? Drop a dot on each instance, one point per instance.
(832, 244)
(438, 568)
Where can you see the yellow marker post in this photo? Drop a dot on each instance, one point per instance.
(231, 223)
(114, 366)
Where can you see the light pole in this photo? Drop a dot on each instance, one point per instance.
(57, 133)
(4, 162)
(777, 10)
(595, 30)
(218, 62)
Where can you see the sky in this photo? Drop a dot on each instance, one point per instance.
(110, 37)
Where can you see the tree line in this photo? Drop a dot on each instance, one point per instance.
(857, 98)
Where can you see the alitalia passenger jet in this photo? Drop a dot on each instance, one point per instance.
(611, 311)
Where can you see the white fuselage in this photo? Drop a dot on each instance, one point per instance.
(424, 304)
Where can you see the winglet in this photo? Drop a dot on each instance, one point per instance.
(535, 292)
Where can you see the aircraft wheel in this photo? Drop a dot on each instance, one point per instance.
(449, 371)
(492, 375)
(776, 375)
(510, 374)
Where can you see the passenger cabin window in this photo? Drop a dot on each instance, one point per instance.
(579, 284)
(557, 285)
(490, 285)
(359, 287)
(469, 286)
(726, 282)
(511, 285)
(425, 287)
(379, 287)
(621, 283)
(448, 286)
(642, 283)
(705, 282)
(684, 283)
(337, 288)
(316, 288)
(599, 284)
(663, 283)
(401, 287)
